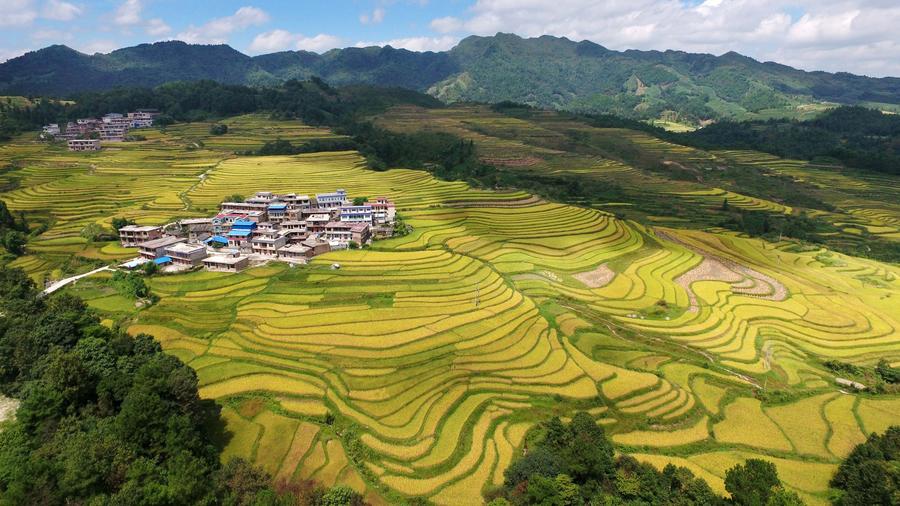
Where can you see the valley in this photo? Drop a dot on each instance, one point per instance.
(418, 368)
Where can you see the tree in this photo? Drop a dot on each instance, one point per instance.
(543, 491)
(130, 284)
(163, 120)
(239, 483)
(93, 232)
(14, 242)
(752, 483)
(871, 473)
(150, 268)
(540, 461)
(887, 373)
(358, 201)
(106, 418)
(341, 496)
(783, 497)
(591, 453)
(575, 464)
(218, 129)
(118, 223)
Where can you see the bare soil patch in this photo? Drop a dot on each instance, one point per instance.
(599, 277)
(743, 280)
(8, 407)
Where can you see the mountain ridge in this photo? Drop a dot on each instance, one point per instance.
(546, 71)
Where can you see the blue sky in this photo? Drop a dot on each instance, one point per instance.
(852, 35)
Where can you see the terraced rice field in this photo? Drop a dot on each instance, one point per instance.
(416, 369)
(866, 202)
(429, 347)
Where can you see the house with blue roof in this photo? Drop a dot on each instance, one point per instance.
(241, 232)
(278, 212)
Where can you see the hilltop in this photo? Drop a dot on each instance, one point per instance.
(545, 72)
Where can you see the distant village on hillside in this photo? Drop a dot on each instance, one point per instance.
(86, 134)
(267, 226)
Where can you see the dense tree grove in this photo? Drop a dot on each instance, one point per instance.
(870, 475)
(106, 418)
(13, 231)
(855, 136)
(575, 464)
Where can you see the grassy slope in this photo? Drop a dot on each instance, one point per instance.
(436, 351)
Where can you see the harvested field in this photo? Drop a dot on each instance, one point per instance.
(601, 276)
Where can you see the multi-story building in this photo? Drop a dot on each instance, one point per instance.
(295, 202)
(113, 117)
(356, 214)
(156, 248)
(329, 200)
(226, 263)
(186, 255)
(267, 242)
(343, 232)
(241, 233)
(256, 216)
(383, 210)
(337, 232)
(142, 118)
(316, 246)
(295, 230)
(197, 229)
(222, 222)
(294, 252)
(360, 233)
(132, 235)
(51, 129)
(243, 207)
(332, 213)
(84, 144)
(315, 224)
(277, 212)
(112, 132)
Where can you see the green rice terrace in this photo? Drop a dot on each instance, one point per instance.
(418, 368)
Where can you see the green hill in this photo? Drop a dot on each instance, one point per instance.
(545, 72)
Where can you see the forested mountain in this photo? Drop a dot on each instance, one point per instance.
(545, 71)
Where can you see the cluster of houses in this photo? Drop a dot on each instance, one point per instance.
(86, 134)
(266, 226)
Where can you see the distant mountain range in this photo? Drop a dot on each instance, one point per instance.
(545, 71)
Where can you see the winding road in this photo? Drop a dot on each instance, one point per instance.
(63, 282)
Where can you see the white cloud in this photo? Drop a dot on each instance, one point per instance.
(9, 54)
(781, 30)
(216, 31)
(17, 13)
(157, 27)
(377, 16)
(98, 46)
(58, 10)
(128, 13)
(283, 40)
(446, 25)
(442, 43)
(54, 36)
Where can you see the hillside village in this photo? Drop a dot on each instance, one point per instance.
(267, 226)
(87, 134)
